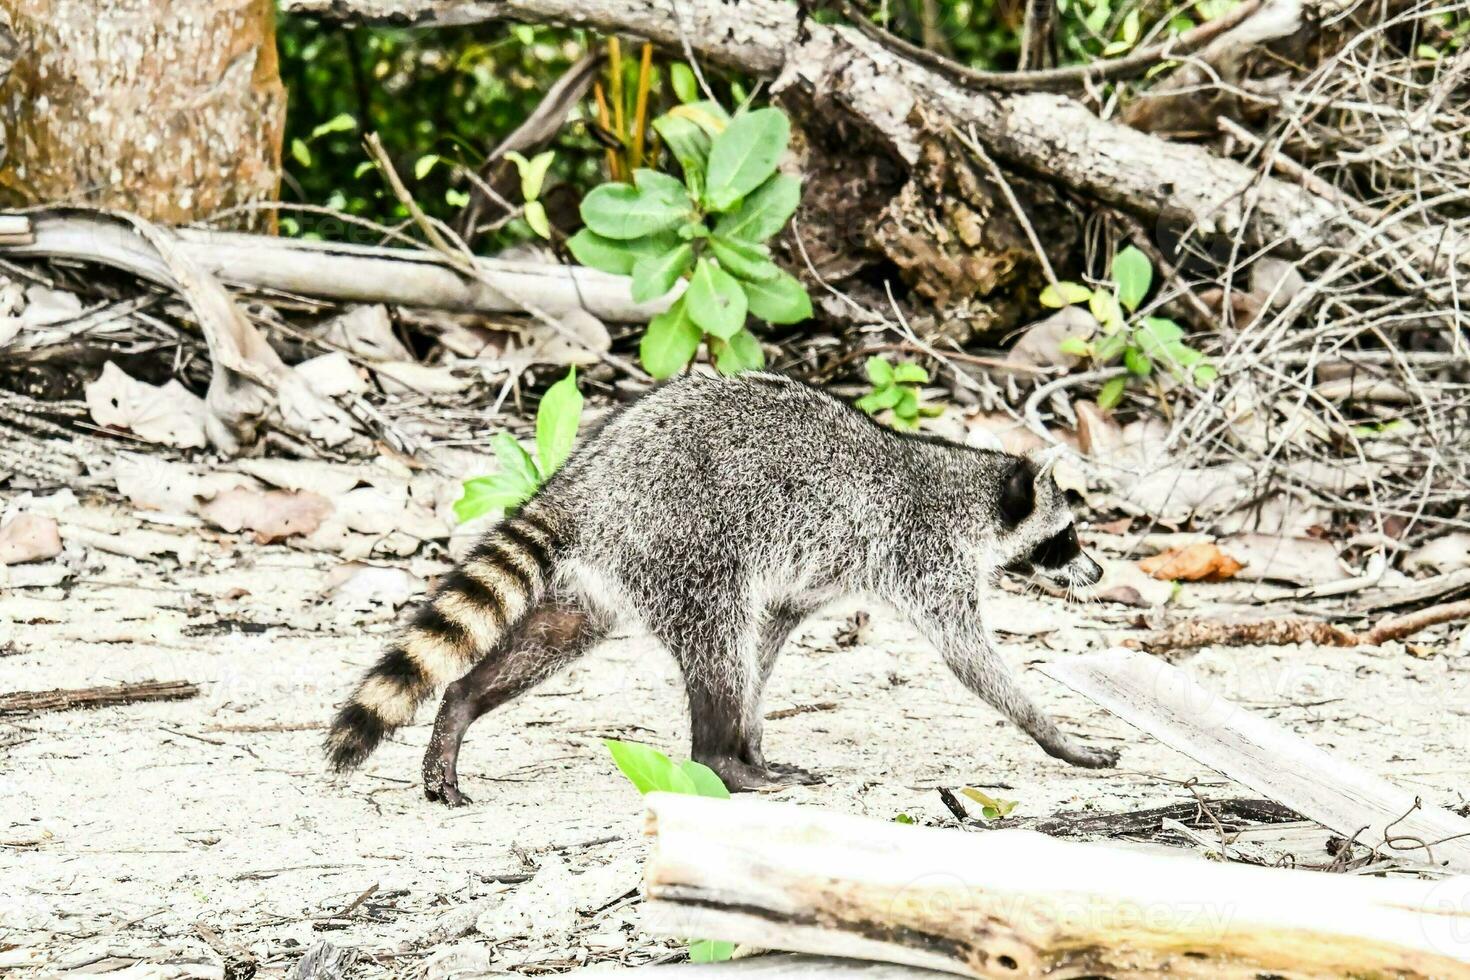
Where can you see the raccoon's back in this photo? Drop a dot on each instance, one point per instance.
(720, 463)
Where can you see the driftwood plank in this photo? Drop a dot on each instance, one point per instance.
(1017, 904)
(1168, 704)
(32, 702)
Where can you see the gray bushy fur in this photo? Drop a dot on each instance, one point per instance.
(719, 513)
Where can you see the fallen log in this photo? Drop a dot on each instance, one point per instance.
(1014, 903)
(61, 699)
(775, 966)
(1165, 702)
(336, 271)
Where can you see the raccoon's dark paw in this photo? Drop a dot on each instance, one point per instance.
(441, 788)
(1091, 757)
(794, 775)
(742, 777)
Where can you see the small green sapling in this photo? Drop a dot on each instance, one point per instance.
(520, 474)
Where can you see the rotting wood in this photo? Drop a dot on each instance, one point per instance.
(63, 699)
(342, 272)
(1014, 903)
(1165, 702)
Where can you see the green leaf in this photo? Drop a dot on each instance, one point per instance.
(706, 782)
(1001, 807)
(622, 212)
(1137, 362)
(536, 217)
(880, 398)
(909, 373)
(1156, 333)
(648, 769)
(515, 463)
(340, 123)
(715, 300)
(764, 212)
(710, 951)
(1104, 307)
(1075, 346)
(745, 155)
(655, 275)
(363, 168)
(1205, 374)
(669, 343)
(880, 371)
(686, 86)
(744, 260)
(457, 198)
(1061, 294)
(484, 494)
(1111, 347)
(741, 352)
(617, 257)
(1134, 274)
(690, 145)
(301, 152)
(556, 423)
(533, 171)
(907, 406)
(779, 300)
(708, 116)
(1112, 392)
(424, 164)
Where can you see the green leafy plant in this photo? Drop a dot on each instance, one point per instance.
(649, 770)
(533, 176)
(991, 807)
(709, 228)
(1142, 343)
(520, 475)
(896, 389)
(301, 147)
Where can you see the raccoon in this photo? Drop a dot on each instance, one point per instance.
(719, 513)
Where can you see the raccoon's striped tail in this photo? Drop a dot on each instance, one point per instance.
(476, 604)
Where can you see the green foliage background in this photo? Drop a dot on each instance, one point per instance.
(456, 92)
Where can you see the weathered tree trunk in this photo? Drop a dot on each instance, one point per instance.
(170, 110)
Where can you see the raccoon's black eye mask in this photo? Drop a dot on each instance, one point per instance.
(1056, 550)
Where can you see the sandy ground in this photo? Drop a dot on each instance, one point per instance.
(196, 838)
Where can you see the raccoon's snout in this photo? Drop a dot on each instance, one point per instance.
(1085, 571)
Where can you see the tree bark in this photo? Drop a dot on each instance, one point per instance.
(172, 111)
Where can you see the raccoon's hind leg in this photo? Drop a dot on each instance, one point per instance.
(553, 635)
(722, 667)
(781, 620)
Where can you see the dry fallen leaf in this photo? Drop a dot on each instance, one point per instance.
(271, 514)
(1203, 562)
(170, 415)
(29, 537)
(1040, 344)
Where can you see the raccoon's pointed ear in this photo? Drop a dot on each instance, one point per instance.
(1046, 458)
(1018, 493)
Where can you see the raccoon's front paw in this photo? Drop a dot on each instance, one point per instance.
(1090, 757)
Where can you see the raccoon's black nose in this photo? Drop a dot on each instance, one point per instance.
(1090, 571)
